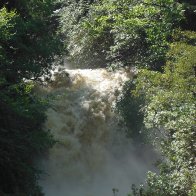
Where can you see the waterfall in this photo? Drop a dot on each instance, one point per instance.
(92, 154)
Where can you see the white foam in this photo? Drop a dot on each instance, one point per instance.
(93, 156)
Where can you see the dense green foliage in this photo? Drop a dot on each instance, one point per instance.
(169, 116)
(22, 137)
(27, 40)
(28, 43)
(122, 33)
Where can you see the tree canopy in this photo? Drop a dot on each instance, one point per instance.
(122, 33)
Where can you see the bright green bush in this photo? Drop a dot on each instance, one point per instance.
(169, 115)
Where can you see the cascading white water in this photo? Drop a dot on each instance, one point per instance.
(92, 155)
